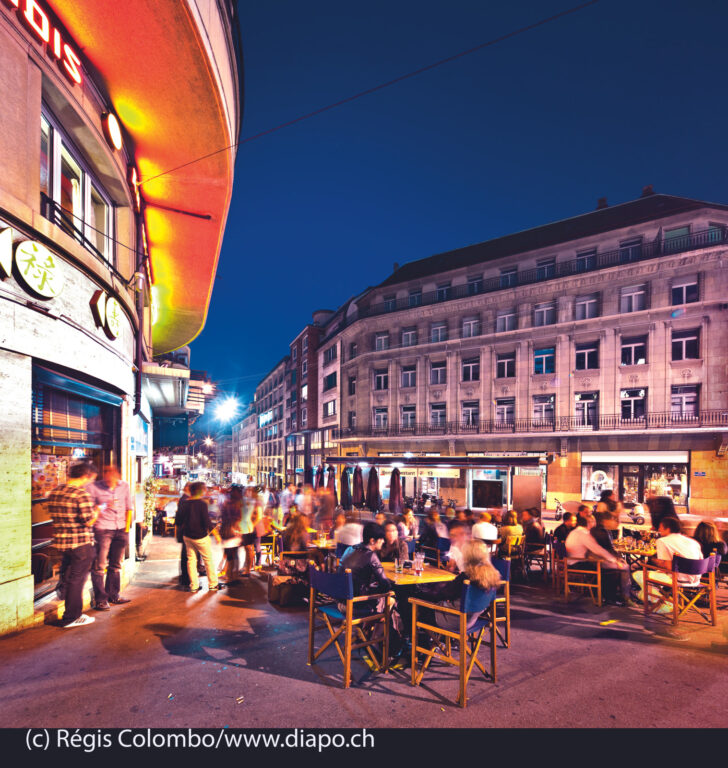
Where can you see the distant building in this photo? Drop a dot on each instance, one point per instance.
(244, 449)
(269, 407)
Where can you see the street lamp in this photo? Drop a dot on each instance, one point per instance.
(227, 409)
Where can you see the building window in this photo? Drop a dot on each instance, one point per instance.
(686, 345)
(508, 277)
(438, 373)
(586, 409)
(330, 408)
(471, 369)
(293, 378)
(409, 416)
(438, 332)
(381, 341)
(330, 354)
(505, 320)
(544, 314)
(409, 337)
(586, 260)
(443, 291)
(329, 382)
(545, 269)
(353, 349)
(304, 392)
(390, 303)
(415, 297)
(676, 239)
(294, 354)
(438, 414)
(471, 327)
(634, 351)
(630, 250)
(634, 404)
(70, 197)
(352, 385)
(544, 360)
(543, 408)
(586, 307)
(352, 419)
(409, 376)
(505, 365)
(587, 356)
(381, 379)
(685, 291)
(381, 417)
(505, 410)
(684, 402)
(475, 285)
(304, 345)
(304, 417)
(304, 367)
(470, 413)
(633, 298)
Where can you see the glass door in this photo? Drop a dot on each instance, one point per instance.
(631, 485)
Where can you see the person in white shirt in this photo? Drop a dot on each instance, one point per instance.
(484, 529)
(349, 534)
(459, 537)
(671, 543)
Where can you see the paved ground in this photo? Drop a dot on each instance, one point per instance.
(171, 659)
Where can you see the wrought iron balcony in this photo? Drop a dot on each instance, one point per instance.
(650, 421)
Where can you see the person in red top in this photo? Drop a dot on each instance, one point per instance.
(73, 514)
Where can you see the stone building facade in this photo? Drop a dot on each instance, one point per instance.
(270, 443)
(597, 343)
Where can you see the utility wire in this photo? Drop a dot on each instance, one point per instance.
(379, 87)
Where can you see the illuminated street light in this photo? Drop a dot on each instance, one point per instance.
(227, 409)
(208, 441)
(207, 388)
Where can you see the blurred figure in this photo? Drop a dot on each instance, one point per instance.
(532, 526)
(394, 548)
(433, 529)
(380, 518)
(295, 536)
(231, 533)
(706, 534)
(484, 528)
(661, 507)
(325, 509)
(339, 522)
(287, 499)
(459, 536)
(602, 534)
(350, 534)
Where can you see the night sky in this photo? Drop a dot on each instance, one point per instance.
(534, 129)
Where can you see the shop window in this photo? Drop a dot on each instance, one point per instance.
(596, 478)
(686, 345)
(70, 196)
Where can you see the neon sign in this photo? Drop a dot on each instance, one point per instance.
(37, 20)
(34, 266)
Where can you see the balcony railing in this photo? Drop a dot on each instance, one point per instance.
(577, 266)
(703, 419)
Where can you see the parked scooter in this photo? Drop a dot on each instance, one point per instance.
(559, 510)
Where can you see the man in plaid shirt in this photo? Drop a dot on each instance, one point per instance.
(74, 514)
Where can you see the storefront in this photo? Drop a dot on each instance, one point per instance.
(635, 476)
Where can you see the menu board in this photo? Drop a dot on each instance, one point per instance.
(47, 472)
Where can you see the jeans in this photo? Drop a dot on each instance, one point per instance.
(200, 548)
(75, 567)
(110, 548)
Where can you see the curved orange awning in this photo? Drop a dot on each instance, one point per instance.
(158, 74)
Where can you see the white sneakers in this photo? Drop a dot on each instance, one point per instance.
(80, 621)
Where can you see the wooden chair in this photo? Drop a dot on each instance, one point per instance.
(436, 555)
(268, 548)
(684, 598)
(514, 549)
(503, 565)
(558, 563)
(584, 579)
(328, 590)
(472, 600)
(539, 553)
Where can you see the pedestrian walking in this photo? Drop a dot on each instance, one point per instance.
(73, 513)
(196, 530)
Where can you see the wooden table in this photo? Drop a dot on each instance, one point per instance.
(634, 556)
(430, 575)
(329, 544)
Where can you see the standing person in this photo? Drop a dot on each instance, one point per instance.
(196, 529)
(184, 579)
(287, 499)
(111, 532)
(72, 511)
(231, 514)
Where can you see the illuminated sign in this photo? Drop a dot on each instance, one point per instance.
(112, 130)
(34, 266)
(107, 313)
(132, 176)
(37, 20)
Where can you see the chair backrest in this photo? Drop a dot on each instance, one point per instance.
(340, 549)
(340, 586)
(559, 548)
(443, 545)
(473, 599)
(718, 557)
(503, 566)
(411, 544)
(691, 567)
(514, 542)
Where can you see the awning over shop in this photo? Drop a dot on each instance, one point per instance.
(439, 462)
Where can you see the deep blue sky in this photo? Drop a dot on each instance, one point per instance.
(532, 130)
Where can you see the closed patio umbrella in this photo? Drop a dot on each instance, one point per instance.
(373, 496)
(331, 484)
(396, 502)
(345, 492)
(319, 479)
(404, 485)
(358, 488)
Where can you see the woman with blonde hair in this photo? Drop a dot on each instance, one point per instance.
(478, 570)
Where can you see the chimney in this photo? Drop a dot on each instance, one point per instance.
(602, 203)
(647, 191)
(395, 267)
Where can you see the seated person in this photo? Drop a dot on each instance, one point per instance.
(671, 542)
(407, 525)
(380, 519)
(432, 529)
(459, 518)
(567, 526)
(478, 569)
(470, 517)
(532, 526)
(295, 536)
(349, 534)
(339, 522)
(602, 533)
(366, 567)
(706, 534)
(660, 506)
(459, 536)
(484, 528)
(511, 526)
(394, 548)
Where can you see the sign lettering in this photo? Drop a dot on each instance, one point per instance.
(106, 311)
